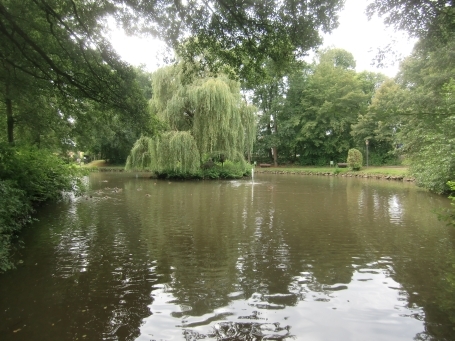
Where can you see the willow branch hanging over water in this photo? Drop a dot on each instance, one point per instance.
(203, 115)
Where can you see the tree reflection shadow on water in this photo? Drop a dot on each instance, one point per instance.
(193, 261)
(247, 331)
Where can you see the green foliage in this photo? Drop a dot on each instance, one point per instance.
(337, 58)
(319, 107)
(355, 159)
(204, 117)
(28, 176)
(431, 21)
(425, 105)
(171, 152)
(15, 210)
(313, 114)
(413, 116)
(378, 124)
(232, 170)
(62, 83)
(449, 215)
(175, 151)
(140, 155)
(227, 170)
(381, 157)
(41, 175)
(246, 35)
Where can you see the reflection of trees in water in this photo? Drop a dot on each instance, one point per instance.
(105, 272)
(286, 241)
(190, 229)
(264, 263)
(225, 241)
(420, 249)
(210, 240)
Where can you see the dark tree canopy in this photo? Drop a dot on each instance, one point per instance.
(245, 34)
(62, 41)
(54, 52)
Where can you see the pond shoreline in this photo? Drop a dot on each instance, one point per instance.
(399, 176)
(348, 174)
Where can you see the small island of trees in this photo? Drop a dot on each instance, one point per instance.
(204, 120)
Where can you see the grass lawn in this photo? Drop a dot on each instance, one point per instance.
(103, 165)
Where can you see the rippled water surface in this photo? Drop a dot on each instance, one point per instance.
(288, 257)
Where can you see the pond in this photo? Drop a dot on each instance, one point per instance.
(283, 257)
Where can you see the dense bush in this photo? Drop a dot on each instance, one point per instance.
(15, 212)
(382, 159)
(225, 170)
(28, 176)
(449, 215)
(39, 173)
(355, 159)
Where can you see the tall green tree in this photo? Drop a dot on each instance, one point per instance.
(108, 134)
(268, 96)
(416, 111)
(247, 34)
(425, 99)
(203, 116)
(331, 101)
(427, 80)
(378, 124)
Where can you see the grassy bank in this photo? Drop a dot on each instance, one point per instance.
(102, 166)
(389, 173)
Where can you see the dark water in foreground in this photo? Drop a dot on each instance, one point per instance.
(287, 258)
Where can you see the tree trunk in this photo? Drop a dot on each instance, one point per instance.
(275, 150)
(275, 156)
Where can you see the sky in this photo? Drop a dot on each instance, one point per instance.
(363, 37)
(355, 34)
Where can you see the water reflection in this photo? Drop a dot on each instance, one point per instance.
(305, 258)
(395, 209)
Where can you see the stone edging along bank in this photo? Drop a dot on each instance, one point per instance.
(345, 175)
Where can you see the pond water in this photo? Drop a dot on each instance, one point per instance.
(286, 257)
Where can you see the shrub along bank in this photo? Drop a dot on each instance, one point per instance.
(28, 177)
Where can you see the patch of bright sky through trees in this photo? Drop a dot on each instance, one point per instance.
(356, 34)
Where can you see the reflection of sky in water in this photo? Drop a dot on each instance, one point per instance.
(395, 209)
(371, 304)
(192, 257)
(376, 202)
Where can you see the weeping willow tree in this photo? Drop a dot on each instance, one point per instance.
(203, 116)
(140, 156)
